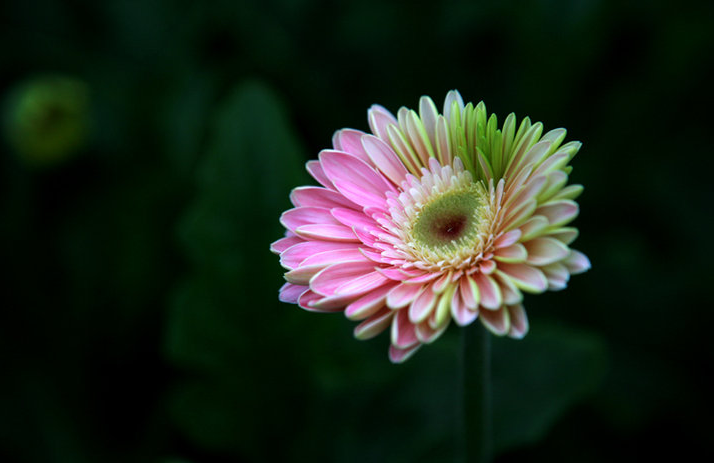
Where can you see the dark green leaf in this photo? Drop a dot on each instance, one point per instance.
(537, 379)
(226, 323)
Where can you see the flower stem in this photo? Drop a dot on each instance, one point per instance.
(475, 411)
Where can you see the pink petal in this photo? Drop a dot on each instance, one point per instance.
(284, 243)
(544, 251)
(294, 218)
(403, 331)
(376, 257)
(428, 114)
(554, 162)
(319, 197)
(379, 119)
(350, 292)
(329, 232)
(294, 255)
(355, 179)
(555, 136)
(525, 277)
(423, 305)
(368, 304)
(443, 141)
(427, 334)
(414, 129)
(537, 153)
(485, 168)
(517, 216)
(519, 321)
(308, 298)
(397, 355)
(303, 274)
(533, 227)
(572, 148)
(556, 182)
(566, 234)
(404, 149)
(517, 182)
(496, 321)
(529, 191)
(507, 239)
(513, 253)
(365, 237)
(377, 212)
(499, 191)
(576, 262)
(393, 273)
(315, 169)
(329, 279)
(522, 150)
(460, 313)
(363, 284)
(352, 218)
(557, 275)
(490, 292)
(452, 97)
(374, 325)
(569, 192)
(335, 256)
(402, 295)
(384, 157)
(424, 278)
(470, 293)
(441, 284)
(350, 141)
(511, 294)
(335, 303)
(412, 272)
(487, 266)
(291, 293)
(558, 212)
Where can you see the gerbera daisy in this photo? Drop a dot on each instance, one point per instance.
(432, 218)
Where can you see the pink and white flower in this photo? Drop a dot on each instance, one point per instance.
(432, 218)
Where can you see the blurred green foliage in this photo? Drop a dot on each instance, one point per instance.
(221, 323)
(140, 313)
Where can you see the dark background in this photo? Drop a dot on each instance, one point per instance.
(140, 319)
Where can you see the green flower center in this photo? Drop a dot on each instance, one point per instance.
(450, 221)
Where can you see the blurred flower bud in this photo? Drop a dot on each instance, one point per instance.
(47, 119)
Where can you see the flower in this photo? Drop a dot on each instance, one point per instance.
(47, 119)
(432, 218)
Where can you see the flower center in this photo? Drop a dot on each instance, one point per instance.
(448, 221)
(442, 220)
(451, 227)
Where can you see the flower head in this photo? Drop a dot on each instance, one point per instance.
(432, 218)
(47, 119)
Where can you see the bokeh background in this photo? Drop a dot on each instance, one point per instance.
(148, 148)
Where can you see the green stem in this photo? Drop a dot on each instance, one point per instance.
(475, 410)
